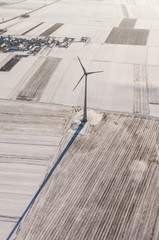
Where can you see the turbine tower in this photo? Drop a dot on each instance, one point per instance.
(85, 74)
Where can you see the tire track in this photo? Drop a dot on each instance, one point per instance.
(141, 91)
(153, 84)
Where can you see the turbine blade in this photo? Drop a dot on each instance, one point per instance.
(78, 82)
(81, 65)
(94, 72)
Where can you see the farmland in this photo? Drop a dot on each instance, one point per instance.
(30, 139)
(60, 178)
(105, 188)
(35, 87)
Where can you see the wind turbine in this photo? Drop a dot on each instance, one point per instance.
(85, 74)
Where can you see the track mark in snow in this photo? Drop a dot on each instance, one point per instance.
(153, 72)
(141, 92)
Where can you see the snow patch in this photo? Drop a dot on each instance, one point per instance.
(93, 117)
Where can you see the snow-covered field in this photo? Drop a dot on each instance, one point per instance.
(114, 89)
(105, 188)
(14, 8)
(96, 12)
(118, 61)
(123, 43)
(29, 142)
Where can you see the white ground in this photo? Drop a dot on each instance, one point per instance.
(20, 28)
(129, 82)
(29, 142)
(117, 61)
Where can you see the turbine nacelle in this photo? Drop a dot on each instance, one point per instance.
(85, 73)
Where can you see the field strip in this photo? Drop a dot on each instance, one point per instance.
(35, 66)
(37, 84)
(153, 84)
(124, 10)
(141, 92)
(51, 30)
(128, 36)
(32, 28)
(5, 60)
(128, 23)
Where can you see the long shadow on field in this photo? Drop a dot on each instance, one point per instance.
(48, 176)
